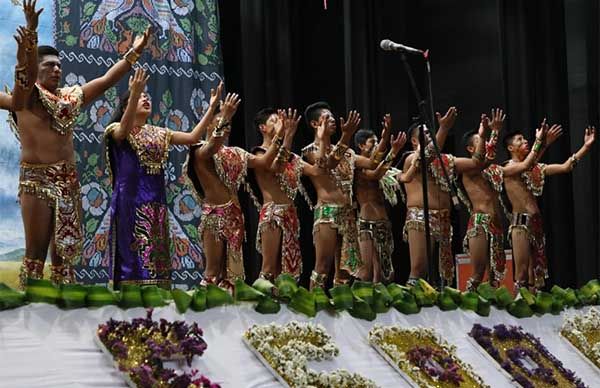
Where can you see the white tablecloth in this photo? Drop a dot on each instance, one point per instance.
(43, 346)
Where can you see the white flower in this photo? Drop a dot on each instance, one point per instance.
(182, 7)
(177, 121)
(100, 114)
(94, 199)
(198, 103)
(74, 79)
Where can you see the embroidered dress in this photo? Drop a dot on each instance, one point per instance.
(380, 232)
(441, 231)
(57, 184)
(139, 231)
(284, 217)
(483, 223)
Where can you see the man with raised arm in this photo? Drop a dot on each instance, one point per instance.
(484, 239)
(217, 172)
(373, 188)
(278, 231)
(526, 226)
(439, 200)
(335, 232)
(48, 185)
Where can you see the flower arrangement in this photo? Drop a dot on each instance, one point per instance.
(421, 356)
(140, 347)
(524, 357)
(583, 332)
(286, 349)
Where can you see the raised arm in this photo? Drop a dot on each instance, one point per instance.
(378, 171)
(516, 168)
(379, 152)
(551, 136)
(97, 86)
(178, 137)
(477, 160)
(265, 161)
(221, 132)
(491, 144)
(290, 120)
(569, 164)
(27, 67)
(136, 87)
(446, 123)
(348, 127)
(409, 174)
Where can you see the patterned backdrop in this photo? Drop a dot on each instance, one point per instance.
(184, 60)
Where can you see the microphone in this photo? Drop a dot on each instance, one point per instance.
(388, 45)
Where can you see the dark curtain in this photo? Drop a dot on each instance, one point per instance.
(534, 58)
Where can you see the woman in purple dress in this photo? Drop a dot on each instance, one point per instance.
(137, 153)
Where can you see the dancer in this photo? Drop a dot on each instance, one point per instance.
(277, 237)
(439, 200)
(48, 185)
(216, 173)
(335, 232)
(526, 228)
(137, 153)
(374, 227)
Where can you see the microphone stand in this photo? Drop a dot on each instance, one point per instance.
(423, 119)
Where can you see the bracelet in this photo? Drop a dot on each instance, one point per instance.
(131, 56)
(478, 156)
(32, 39)
(278, 140)
(490, 149)
(218, 132)
(339, 150)
(389, 158)
(537, 146)
(378, 157)
(21, 78)
(283, 155)
(574, 160)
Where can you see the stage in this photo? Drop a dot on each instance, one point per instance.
(43, 346)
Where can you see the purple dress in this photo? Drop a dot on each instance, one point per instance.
(139, 230)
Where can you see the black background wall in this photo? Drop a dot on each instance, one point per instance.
(534, 58)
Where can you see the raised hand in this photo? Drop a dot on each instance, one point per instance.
(324, 127)
(290, 121)
(498, 118)
(540, 133)
(21, 46)
(553, 133)
(484, 126)
(350, 125)
(589, 137)
(31, 15)
(215, 96)
(447, 121)
(141, 41)
(398, 142)
(387, 127)
(230, 105)
(137, 83)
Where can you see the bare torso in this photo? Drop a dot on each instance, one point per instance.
(370, 198)
(326, 187)
(40, 143)
(438, 199)
(521, 199)
(484, 198)
(269, 186)
(215, 191)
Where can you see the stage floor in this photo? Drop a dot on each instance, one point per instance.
(44, 346)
